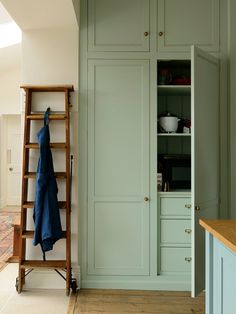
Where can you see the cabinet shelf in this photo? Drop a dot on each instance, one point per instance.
(174, 134)
(174, 89)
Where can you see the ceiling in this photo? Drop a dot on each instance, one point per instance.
(10, 56)
(31, 14)
(4, 16)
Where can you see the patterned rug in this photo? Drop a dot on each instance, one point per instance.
(6, 236)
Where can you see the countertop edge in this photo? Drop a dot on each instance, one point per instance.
(211, 227)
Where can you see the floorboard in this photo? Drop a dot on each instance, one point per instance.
(92, 301)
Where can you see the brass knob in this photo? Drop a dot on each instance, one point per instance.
(197, 208)
(10, 168)
(187, 205)
(161, 33)
(188, 231)
(146, 199)
(146, 34)
(188, 259)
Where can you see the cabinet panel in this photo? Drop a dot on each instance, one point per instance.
(220, 293)
(175, 206)
(118, 127)
(187, 22)
(205, 154)
(118, 25)
(175, 231)
(120, 247)
(175, 259)
(118, 167)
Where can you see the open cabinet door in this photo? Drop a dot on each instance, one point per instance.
(205, 155)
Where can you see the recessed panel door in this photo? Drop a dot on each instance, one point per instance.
(13, 159)
(184, 23)
(118, 167)
(118, 25)
(205, 155)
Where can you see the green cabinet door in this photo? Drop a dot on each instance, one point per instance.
(205, 147)
(118, 167)
(118, 25)
(184, 23)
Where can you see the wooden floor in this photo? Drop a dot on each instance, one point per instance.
(89, 301)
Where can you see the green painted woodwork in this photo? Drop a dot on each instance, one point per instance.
(220, 276)
(175, 259)
(120, 238)
(188, 22)
(175, 231)
(118, 25)
(118, 167)
(205, 154)
(125, 242)
(172, 205)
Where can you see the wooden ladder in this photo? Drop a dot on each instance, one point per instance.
(26, 266)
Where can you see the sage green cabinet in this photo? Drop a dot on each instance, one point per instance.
(176, 207)
(118, 167)
(118, 25)
(184, 23)
(180, 206)
(175, 260)
(130, 237)
(175, 233)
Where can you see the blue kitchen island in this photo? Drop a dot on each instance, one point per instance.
(220, 266)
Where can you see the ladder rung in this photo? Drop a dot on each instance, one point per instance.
(52, 116)
(30, 234)
(44, 264)
(62, 205)
(54, 88)
(52, 145)
(32, 175)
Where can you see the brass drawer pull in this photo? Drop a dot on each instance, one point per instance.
(161, 33)
(146, 34)
(188, 259)
(188, 231)
(187, 205)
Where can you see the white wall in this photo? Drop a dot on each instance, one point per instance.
(9, 104)
(50, 57)
(10, 91)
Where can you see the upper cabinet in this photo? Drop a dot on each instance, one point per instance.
(118, 25)
(184, 23)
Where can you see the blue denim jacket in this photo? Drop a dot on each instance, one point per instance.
(46, 209)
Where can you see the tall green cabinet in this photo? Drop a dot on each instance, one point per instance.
(118, 167)
(131, 235)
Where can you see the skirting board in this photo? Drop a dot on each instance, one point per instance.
(2, 203)
(49, 279)
(164, 283)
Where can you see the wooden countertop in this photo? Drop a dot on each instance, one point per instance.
(223, 230)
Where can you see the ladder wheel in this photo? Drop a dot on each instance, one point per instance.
(73, 285)
(17, 284)
(18, 289)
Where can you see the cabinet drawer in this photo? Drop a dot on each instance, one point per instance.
(175, 206)
(175, 259)
(176, 231)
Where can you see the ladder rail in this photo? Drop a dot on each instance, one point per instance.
(27, 175)
(68, 201)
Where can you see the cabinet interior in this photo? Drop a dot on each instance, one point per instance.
(174, 98)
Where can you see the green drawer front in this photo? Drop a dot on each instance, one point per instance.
(175, 206)
(175, 259)
(175, 231)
